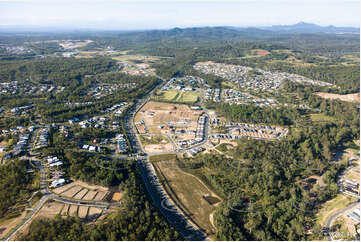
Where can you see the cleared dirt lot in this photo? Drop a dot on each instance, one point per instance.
(355, 97)
(82, 191)
(65, 209)
(82, 211)
(154, 148)
(63, 188)
(73, 210)
(100, 195)
(156, 143)
(191, 193)
(72, 191)
(52, 208)
(81, 194)
(7, 225)
(90, 195)
(117, 196)
(177, 120)
(94, 212)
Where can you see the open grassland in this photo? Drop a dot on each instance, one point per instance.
(320, 117)
(176, 96)
(164, 157)
(330, 207)
(196, 199)
(135, 58)
(153, 139)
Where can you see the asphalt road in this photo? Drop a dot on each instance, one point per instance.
(331, 219)
(47, 195)
(178, 220)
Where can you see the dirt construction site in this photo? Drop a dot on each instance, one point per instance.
(158, 119)
(82, 191)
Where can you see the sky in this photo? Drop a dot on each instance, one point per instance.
(165, 14)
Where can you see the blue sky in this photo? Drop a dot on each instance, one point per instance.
(163, 14)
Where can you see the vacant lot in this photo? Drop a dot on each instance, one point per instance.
(81, 194)
(94, 213)
(176, 96)
(90, 195)
(135, 58)
(117, 196)
(6, 225)
(72, 191)
(153, 139)
(82, 191)
(177, 121)
(355, 97)
(73, 210)
(82, 211)
(165, 157)
(191, 193)
(156, 143)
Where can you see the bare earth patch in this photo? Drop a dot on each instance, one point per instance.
(100, 195)
(262, 53)
(117, 196)
(83, 211)
(90, 195)
(8, 225)
(192, 194)
(355, 97)
(72, 191)
(154, 148)
(63, 188)
(94, 212)
(64, 211)
(81, 194)
(73, 210)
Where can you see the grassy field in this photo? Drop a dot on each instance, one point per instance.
(164, 157)
(319, 117)
(135, 58)
(153, 139)
(176, 96)
(194, 196)
(330, 207)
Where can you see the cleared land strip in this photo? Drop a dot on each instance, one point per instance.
(195, 198)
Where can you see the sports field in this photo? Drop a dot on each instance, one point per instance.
(176, 96)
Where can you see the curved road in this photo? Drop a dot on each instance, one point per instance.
(331, 219)
(47, 195)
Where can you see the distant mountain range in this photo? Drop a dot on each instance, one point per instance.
(303, 27)
(224, 31)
